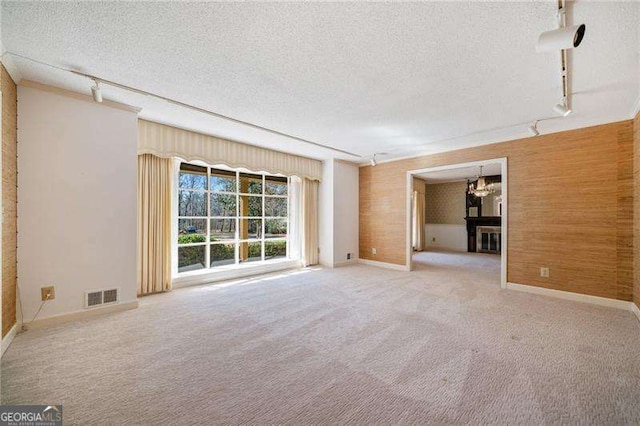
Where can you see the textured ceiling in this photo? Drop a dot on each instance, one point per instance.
(400, 78)
(463, 173)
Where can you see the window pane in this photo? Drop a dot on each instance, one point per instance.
(250, 184)
(250, 252)
(275, 249)
(250, 229)
(191, 258)
(192, 177)
(223, 229)
(223, 181)
(223, 205)
(275, 207)
(192, 203)
(276, 185)
(223, 254)
(275, 228)
(250, 205)
(192, 231)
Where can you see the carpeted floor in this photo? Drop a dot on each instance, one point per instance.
(356, 344)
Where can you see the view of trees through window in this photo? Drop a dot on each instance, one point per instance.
(230, 217)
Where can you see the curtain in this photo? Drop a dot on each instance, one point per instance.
(295, 207)
(418, 221)
(155, 196)
(166, 141)
(309, 222)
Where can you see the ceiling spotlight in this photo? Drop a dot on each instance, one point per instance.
(562, 108)
(96, 92)
(562, 38)
(373, 161)
(533, 128)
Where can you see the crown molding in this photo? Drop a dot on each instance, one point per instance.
(10, 66)
(635, 110)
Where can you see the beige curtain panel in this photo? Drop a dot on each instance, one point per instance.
(309, 225)
(418, 216)
(166, 141)
(154, 224)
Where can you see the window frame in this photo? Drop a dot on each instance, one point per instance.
(236, 241)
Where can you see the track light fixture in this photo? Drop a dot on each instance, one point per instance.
(562, 38)
(533, 128)
(96, 91)
(373, 161)
(562, 108)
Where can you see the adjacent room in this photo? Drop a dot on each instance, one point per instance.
(320, 212)
(456, 221)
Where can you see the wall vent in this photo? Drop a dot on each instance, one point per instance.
(94, 298)
(110, 296)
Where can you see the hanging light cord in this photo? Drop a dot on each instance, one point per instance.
(25, 327)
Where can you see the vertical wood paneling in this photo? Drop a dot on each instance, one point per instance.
(570, 198)
(625, 214)
(636, 211)
(9, 199)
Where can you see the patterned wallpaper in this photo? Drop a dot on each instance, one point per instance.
(446, 203)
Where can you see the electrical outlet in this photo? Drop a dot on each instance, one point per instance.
(433, 240)
(374, 251)
(348, 256)
(48, 293)
(544, 272)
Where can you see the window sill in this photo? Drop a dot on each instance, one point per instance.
(221, 273)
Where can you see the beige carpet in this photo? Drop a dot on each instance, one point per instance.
(356, 344)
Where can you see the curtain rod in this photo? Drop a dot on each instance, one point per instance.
(183, 104)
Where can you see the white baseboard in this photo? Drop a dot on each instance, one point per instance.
(441, 248)
(635, 310)
(6, 340)
(88, 313)
(384, 265)
(576, 297)
(345, 262)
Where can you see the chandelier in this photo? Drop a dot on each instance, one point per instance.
(481, 188)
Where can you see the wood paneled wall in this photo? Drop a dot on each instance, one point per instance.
(636, 211)
(9, 198)
(570, 208)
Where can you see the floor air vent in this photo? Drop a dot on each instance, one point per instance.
(95, 298)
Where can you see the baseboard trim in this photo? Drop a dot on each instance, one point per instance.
(442, 248)
(384, 265)
(89, 313)
(6, 340)
(635, 310)
(576, 297)
(345, 263)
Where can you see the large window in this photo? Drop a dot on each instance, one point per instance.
(229, 217)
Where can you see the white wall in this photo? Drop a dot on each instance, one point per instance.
(339, 213)
(325, 220)
(446, 236)
(77, 191)
(346, 212)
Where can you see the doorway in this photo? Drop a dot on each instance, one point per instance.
(465, 227)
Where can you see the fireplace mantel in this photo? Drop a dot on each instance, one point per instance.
(473, 223)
